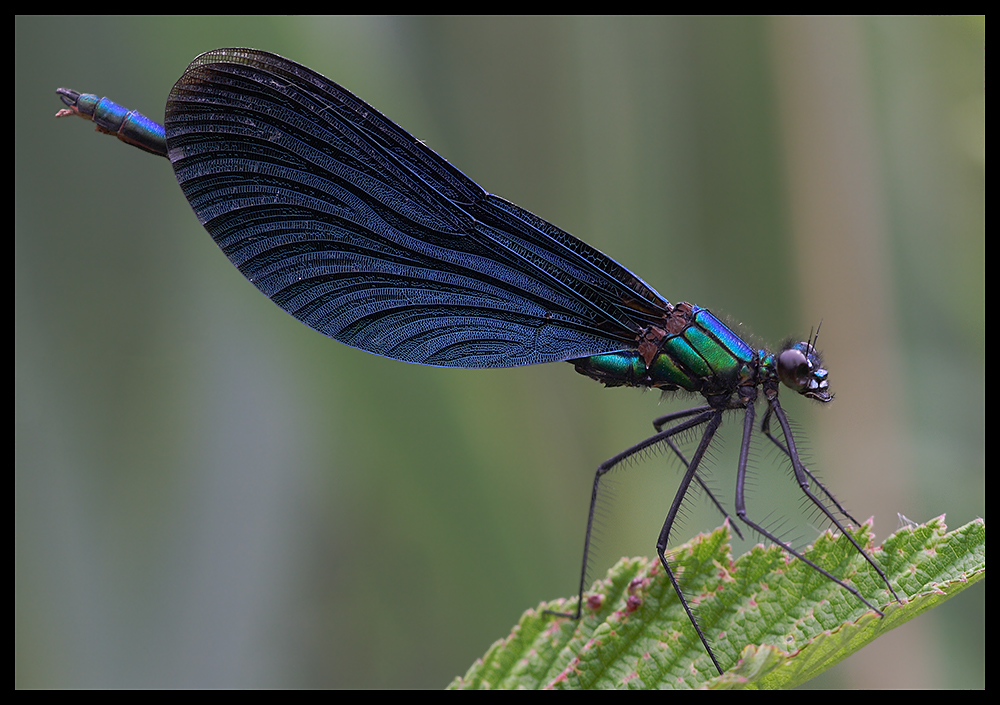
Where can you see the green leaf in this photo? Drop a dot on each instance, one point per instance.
(773, 622)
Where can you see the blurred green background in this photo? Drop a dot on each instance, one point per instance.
(209, 494)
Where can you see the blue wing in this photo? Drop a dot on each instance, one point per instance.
(363, 233)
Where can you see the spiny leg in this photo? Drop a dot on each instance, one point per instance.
(802, 476)
(608, 465)
(765, 428)
(741, 510)
(661, 544)
(658, 424)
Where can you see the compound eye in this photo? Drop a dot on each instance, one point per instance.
(794, 369)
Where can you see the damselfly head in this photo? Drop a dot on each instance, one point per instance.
(800, 368)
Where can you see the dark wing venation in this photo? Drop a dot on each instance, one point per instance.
(584, 269)
(363, 233)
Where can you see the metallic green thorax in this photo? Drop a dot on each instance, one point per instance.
(693, 351)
